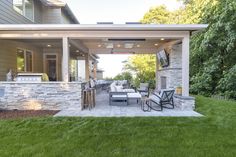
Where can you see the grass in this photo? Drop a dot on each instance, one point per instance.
(211, 136)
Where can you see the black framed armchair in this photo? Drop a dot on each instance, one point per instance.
(163, 100)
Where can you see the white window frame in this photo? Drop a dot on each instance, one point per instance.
(23, 11)
(25, 64)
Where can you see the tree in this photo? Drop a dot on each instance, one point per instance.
(213, 51)
(124, 76)
(144, 68)
(218, 41)
(157, 15)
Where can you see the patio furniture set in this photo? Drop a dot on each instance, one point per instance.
(156, 101)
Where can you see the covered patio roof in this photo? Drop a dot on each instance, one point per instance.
(88, 38)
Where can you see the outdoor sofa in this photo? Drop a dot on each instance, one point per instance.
(118, 95)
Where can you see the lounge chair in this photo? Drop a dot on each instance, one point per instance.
(162, 100)
(144, 89)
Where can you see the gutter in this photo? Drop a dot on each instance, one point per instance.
(95, 27)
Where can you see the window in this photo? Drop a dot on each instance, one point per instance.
(25, 8)
(29, 9)
(20, 60)
(18, 6)
(163, 82)
(24, 60)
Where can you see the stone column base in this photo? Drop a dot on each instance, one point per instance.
(184, 103)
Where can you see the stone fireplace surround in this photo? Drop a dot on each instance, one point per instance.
(173, 77)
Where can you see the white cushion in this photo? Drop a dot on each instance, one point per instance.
(129, 90)
(119, 96)
(113, 88)
(119, 88)
(155, 99)
(134, 95)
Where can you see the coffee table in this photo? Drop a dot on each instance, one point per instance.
(134, 96)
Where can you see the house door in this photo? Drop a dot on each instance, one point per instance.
(51, 66)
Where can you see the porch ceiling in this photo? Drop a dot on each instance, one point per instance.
(97, 38)
(126, 45)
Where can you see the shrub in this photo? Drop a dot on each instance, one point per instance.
(227, 85)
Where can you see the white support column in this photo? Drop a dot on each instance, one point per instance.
(87, 67)
(185, 65)
(65, 59)
(157, 80)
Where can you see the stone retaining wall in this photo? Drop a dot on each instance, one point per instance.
(39, 96)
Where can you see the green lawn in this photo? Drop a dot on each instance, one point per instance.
(213, 135)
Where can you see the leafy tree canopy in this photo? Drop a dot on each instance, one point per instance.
(213, 51)
(144, 67)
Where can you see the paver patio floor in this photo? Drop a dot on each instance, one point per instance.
(103, 109)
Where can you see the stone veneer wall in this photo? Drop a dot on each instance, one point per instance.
(184, 103)
(173, 72)
(39, 96)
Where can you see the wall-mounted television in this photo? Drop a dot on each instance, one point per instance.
(163, 58)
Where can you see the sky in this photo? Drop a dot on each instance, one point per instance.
(119, 12)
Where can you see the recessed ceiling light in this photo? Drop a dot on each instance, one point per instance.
(109, 45)
(118, 45)
(99, 45)
(129, 45)
(162, 39)
(156, 44)
(49, 45)
(138, 45)
(77, 50)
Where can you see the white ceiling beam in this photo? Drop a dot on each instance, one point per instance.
(79, 45)
(136, 50)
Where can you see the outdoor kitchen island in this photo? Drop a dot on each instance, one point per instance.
(39, 95)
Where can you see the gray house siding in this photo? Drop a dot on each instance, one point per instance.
(65, 18)
(38, 11)
(42, 14)
(52, 15)
(8, 48)
(8, 56)
(9, 16)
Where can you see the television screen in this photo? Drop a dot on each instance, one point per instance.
(163, 58)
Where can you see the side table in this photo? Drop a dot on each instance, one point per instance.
(145, 106)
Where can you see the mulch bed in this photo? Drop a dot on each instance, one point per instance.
(14, 114)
